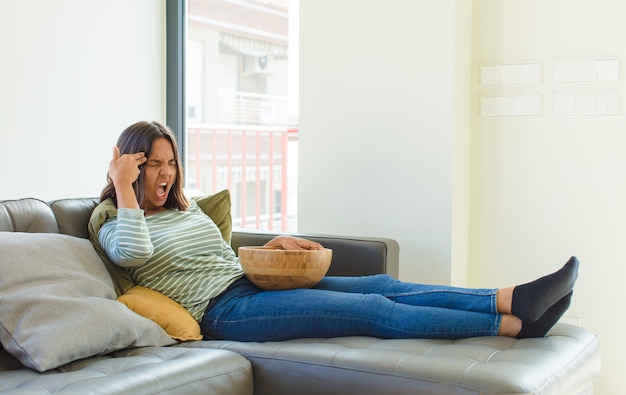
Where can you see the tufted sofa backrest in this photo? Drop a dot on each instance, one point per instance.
(27, 215)
(73, 215)
(68, 216)
(357, 256)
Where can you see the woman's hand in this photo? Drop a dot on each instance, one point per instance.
(293, 243)
(124, 169)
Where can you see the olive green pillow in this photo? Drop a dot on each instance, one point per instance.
(218, 207)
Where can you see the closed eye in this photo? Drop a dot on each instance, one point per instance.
(158, 163)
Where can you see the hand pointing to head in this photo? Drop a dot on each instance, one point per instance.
(124, 169)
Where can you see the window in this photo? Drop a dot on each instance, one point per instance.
(232, 93)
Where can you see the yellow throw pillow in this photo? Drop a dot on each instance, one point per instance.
(171, 316)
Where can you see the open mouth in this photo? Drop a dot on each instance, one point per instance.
(162, 190)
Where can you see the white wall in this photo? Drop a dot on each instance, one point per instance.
(544, 188)
(73, 75)
(378, 124)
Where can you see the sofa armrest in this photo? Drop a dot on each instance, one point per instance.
(352, 256)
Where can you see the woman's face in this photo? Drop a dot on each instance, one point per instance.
(160, 174)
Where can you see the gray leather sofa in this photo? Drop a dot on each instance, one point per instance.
(567, 361)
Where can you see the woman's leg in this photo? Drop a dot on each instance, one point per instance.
(467, 299)
(528, 302)
(246, 313)
(384, 307)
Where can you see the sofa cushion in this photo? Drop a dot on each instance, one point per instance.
(73, 214)
(27, 215)
(217, 206)
(142, 371)
(171, 316)
(566, 361)
(57, 303)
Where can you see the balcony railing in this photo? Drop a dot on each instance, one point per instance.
(253, 163)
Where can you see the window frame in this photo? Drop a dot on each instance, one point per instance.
(175, 103)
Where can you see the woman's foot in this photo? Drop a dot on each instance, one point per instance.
(540, 327)
(532, 300)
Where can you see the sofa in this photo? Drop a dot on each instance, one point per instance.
(127, 353)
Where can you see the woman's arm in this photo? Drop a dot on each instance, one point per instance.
(126, 239)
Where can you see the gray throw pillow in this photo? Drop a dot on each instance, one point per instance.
(57, 303)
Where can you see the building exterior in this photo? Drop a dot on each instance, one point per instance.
(240, 131)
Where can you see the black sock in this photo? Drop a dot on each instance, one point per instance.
(540, 327)
(533, 299)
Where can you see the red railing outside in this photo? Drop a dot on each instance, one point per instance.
(252, 162)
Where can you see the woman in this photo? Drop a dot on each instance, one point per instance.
(168, 244)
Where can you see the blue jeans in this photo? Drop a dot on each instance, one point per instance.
(378, 306)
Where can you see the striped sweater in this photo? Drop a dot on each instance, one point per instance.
(179, 253)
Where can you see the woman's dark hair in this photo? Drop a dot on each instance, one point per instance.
(139, 137)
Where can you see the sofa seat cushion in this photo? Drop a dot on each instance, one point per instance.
(141, 371)
(564, 362)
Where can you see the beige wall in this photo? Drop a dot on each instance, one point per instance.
(73, 75)
(544, 188)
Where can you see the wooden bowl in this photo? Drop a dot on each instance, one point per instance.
(272, 268)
